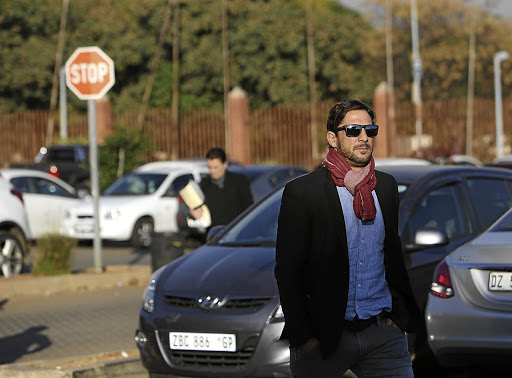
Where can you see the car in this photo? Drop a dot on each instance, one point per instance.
(216, 312)
(69, 162)
(46, 198)
(14, 230)
(380, 162)
(469, 309)
(504, 161)
(139, 203)
(265, 178)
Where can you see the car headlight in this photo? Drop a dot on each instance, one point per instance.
(148, 299)
(113, 214)
(278, 313)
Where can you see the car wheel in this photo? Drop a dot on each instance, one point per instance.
(142, 232)
(11, 258)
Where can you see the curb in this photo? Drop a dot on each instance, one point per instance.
(112, 276)
(112, 365)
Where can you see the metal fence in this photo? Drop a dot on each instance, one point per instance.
(277, 135)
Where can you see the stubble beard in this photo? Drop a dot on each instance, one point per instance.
(355, 160)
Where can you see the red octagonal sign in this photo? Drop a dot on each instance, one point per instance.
(89, 73)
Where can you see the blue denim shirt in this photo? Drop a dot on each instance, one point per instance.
(368, 292)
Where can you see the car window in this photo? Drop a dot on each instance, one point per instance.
(442, 209)
(258, 227)
(136, 184)
(504, 224)
(490, 198)
(65, 154)
(284, 175)
(177, 184)
(43, 186)
(23, 184)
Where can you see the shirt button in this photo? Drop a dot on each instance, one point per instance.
(358, 285)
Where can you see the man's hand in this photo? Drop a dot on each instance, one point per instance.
(196, 213)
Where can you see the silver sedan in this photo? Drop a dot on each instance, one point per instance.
(469, 309)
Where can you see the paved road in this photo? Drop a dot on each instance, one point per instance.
(68, 324)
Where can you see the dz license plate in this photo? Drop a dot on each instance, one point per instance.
(500, 281)
(218, 342)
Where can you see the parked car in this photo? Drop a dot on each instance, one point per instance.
(216, 310)
(69, 162)
(265, 178)
(137, 204)
(504, 161)
(469, 309)
(46, 198)
(14, 230)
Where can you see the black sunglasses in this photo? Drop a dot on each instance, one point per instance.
(355, 130)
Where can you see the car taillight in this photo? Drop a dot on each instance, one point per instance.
(18, 194)
(181, 202)
(442, 282)
(54, 171)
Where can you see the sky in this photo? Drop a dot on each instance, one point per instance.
(502, 8)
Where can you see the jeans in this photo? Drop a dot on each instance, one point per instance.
(377, 351)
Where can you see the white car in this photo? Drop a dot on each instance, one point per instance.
(14, 230)
(47, 198)
(137, 204)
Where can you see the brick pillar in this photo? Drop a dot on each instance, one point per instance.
(380, 107)
(104, 119)
(239, 124)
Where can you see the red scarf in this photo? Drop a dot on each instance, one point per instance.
(359, 183)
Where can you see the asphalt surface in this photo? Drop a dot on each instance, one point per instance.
(68, 324)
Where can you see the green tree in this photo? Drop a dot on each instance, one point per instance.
(124, 150)
(444, 48)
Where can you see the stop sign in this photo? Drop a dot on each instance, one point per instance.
(89, 73)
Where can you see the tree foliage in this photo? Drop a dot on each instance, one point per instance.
(124, 150)
(444, 29)
(267, 50)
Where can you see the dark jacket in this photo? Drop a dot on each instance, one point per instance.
(226, 203)
(312, 266)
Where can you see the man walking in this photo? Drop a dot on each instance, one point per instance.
(227, 194)
(342, 280)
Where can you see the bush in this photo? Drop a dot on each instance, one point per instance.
(128, 143)
(53, 256)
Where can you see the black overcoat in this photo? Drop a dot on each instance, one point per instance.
(312, 266)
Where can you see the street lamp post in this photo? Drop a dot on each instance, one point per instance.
(498, 58)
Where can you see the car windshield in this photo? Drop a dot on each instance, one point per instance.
(258, 227)
(135, 184)
(504, 224)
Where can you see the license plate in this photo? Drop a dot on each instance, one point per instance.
(500, 281)
(84, 228)
(217, 342)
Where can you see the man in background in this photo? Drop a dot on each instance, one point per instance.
(227, 194)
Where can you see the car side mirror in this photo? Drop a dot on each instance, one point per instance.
(214, 231)
(425, 237)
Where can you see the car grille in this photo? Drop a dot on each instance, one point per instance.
(227, 360)
(252, 304)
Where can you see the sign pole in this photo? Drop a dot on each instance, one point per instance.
(93, 161)
(90, 75)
